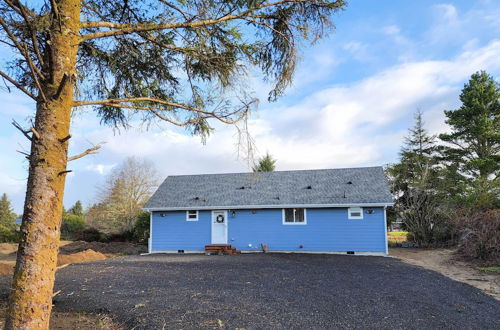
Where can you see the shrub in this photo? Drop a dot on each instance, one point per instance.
(89, 235)
(71, 225)
(8, 235)
(125, 236)
(478, 235)
(141, 228)
(425, 218)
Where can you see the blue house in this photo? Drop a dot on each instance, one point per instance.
(314, 211)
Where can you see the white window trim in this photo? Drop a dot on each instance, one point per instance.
(197, 215)
(354, 209)
(293, 223)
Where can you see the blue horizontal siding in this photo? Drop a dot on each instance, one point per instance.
(327, 229)
(173, 232)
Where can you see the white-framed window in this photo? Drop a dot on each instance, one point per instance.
(191, 215)
(294, 216)
(355, 213)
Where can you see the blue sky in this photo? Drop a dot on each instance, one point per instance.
(351, 104)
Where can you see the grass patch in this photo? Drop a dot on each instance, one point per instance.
(490, 269)
(397, 233)
(395, 238)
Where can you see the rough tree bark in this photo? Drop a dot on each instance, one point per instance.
(31, 296)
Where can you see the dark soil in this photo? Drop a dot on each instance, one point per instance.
(270, 291)
(65, 321)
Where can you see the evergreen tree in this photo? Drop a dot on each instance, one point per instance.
(265, 164)
(76, 209)
(7, 215)
(414, 180)
(417, 157)
(474, 142)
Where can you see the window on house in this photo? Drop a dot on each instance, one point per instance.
(191, 215)
(355, 213)
(294, 216)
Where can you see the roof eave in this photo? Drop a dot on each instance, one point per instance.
(275, 206)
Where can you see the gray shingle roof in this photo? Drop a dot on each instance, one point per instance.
(349, 186)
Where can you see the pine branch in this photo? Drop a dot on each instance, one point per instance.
(18, 85)
(128, 28)
(22, 11)
(25, 132)
(27, 155)
(20, 47)
(18, 7)
(35, 78)
(125, 103)
(90, 151)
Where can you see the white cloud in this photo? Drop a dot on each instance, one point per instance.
(351, 125)
(102, 169)
(358, 50)
(15, 103)
(343, 125)
(453, 27)
(391, 29)
(447, 12)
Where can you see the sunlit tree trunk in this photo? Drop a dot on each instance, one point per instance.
(31, 296)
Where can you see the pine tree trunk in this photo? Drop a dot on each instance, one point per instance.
(30, 302)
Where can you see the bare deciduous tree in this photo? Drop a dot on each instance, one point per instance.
(126, 191)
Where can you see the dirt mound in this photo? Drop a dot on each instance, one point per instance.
(8, 248)
(106, 248)
(72, 252)
(7, 267)
(83, 256)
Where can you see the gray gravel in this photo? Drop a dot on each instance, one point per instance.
(271, 291)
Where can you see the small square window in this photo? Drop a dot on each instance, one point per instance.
(294, 216)
(355, 213)
(191, 215)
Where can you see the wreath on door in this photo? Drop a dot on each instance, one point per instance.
(219, 219)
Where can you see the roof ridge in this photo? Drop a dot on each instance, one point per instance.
(283, 171)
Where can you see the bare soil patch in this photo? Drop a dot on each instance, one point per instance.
(8, 256)
(82, 256)
(73, 252)
(116, 248)
(7, 248)
(6, 267)
(446, 262)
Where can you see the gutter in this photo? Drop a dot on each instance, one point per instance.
(254, 207)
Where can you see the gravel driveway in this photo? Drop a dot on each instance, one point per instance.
(270, 291)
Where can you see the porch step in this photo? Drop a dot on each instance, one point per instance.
(221, 249)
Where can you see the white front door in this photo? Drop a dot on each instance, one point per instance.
(219, 227)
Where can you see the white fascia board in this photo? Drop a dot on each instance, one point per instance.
(256, 207)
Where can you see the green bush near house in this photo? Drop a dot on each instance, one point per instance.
(8, 235)
(89, 235)
(72, 225)
(141, 228)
